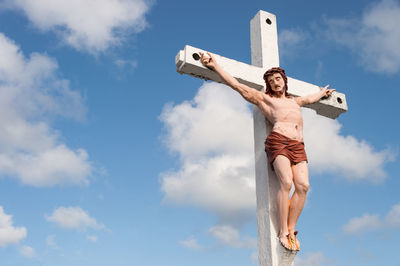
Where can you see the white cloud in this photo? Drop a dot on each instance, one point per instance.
(393, 217)
(27, 251)
(213, 136)
(328, 151)
(371, 222)
(374, 37)
(223, 184)
(191, 243)
(89, 25)
(8, 233)
(288, 37)
(73, 218)
(229, 236)
(312, 259)
(365, 223)
(225, 235)
(217, 120)
(31, 93)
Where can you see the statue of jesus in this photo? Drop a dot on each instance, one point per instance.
(284, 145)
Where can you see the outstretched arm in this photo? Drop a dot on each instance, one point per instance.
(249, 94)
(315, 97)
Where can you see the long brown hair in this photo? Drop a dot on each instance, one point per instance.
(268, 73)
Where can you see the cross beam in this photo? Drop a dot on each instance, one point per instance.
(264, 55)
(187, 61)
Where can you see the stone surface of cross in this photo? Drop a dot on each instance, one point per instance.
(264, 55)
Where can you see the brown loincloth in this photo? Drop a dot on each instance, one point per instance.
(278, 144)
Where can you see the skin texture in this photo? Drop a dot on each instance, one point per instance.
(284, 113)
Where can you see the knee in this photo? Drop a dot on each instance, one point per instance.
(302, 187)
(286, 184)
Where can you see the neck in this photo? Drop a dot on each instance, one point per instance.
(279, 94)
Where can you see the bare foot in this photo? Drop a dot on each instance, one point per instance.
(285, 242)
(295, 243)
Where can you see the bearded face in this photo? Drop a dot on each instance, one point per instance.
(276, 84)
(276, 81)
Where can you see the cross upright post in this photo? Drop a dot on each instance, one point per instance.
(264, 55)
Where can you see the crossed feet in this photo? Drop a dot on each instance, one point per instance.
(290, 241)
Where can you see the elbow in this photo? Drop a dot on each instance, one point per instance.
(306, 102)
(311, 100)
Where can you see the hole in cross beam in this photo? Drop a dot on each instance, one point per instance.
(339, 100)
(269, 22)
(196, 56)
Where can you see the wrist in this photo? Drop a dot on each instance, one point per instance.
(216, 67)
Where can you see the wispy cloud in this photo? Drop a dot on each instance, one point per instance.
(191, 243)
(312, 259)
(366, 222)
(229, 236)
(224, 235)
(27, 251)
(371, 222)
(92, 238)
(73, 218)
(121, 63)
(87, 25)
(51, 241)
(374, 36)
(9, 234)
(31, 94)
(291, 41)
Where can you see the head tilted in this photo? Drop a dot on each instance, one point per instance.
(270, 72)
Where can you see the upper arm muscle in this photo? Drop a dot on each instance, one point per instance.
(249, 94)
(301, 100)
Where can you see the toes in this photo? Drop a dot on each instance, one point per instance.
(294, 243)
(287, 243)
(284, 242)
(297, 241)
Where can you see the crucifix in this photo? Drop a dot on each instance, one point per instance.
(264, 55)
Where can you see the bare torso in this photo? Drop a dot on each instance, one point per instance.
(285, 116)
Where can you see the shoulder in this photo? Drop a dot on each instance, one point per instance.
(267, 98)
(263, 100)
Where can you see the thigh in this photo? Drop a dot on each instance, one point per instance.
(282, 169)
(300, 174)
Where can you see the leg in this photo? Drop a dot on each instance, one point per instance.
(301, 183)
(284, 174)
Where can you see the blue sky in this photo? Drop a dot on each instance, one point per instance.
(108, 156)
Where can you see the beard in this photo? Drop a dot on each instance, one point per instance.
(280, 92)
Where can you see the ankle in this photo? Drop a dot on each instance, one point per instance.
(283, 233)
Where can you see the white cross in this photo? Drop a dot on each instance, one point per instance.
(264, 55)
